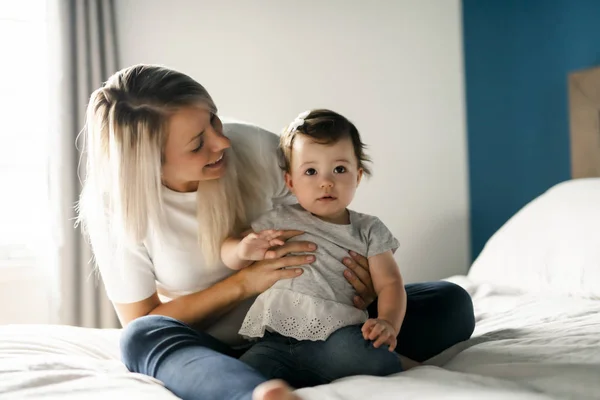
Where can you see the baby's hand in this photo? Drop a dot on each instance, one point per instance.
(381, 331)
(255, 246)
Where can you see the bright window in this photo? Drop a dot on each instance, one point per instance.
(23, 130)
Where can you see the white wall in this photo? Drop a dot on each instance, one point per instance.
(393, 67)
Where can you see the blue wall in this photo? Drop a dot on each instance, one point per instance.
(517, 57)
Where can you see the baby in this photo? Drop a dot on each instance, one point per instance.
(308, 330)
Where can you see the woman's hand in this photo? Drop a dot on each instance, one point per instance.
(360, 278)
(261, 275)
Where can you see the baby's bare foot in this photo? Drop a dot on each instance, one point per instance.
(274, 390)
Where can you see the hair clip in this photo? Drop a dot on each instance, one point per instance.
(299, 121)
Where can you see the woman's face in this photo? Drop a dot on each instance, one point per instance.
(195, 149)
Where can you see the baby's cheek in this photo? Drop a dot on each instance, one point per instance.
(305, 198)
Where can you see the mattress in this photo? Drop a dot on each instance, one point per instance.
(524, 347)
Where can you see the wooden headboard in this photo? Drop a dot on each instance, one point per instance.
(584, 110)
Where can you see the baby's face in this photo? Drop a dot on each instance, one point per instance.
(323, 177)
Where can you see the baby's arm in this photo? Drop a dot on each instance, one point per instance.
(391, 295)
(229, 253)
(240, 252)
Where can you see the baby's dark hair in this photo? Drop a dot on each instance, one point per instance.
(323, 126)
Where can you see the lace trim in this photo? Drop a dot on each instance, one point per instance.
(298, 316)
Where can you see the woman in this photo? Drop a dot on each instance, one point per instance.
(166, 183)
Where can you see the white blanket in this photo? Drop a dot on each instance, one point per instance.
(524, 347)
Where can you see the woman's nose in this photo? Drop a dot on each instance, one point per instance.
(218, 141)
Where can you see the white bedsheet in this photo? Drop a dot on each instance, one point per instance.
(524, 347)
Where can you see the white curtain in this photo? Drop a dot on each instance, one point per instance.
(82, 53)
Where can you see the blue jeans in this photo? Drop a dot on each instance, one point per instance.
(194, 365)
(310, 363)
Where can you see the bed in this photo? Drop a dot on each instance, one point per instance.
(536, 291)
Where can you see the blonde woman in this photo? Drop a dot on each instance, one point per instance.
(166, 183)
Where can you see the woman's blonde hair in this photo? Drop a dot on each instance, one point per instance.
(124, 138)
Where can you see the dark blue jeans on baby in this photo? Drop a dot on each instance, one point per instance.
(310, 363)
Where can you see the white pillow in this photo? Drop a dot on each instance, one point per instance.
(551, 245)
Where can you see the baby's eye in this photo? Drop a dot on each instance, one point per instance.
(340, 169)
(310, 172)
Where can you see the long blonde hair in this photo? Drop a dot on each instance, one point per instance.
(124, 138)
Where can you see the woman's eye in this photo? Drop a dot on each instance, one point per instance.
(339, 169)
(199, 147)
(310, 171)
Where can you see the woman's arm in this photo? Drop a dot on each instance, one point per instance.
(202, 307)
(192, 308)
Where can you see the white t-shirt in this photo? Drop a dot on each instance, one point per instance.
(172, 263)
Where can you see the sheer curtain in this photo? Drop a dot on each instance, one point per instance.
(83, 54)
(23, 139)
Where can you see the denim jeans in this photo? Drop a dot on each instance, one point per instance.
(310, 363)
(195, 365)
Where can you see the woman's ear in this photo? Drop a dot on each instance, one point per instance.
(359, 176)
(288, 181)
